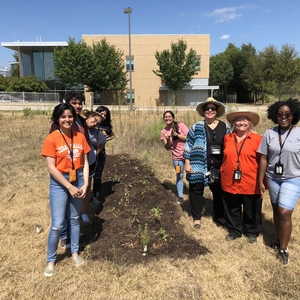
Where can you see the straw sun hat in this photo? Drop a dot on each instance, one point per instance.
(254, 117)
(220, 107)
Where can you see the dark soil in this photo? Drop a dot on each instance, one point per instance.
(135, 201)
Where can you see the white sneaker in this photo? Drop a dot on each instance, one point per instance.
(85, 218)
(77, 260)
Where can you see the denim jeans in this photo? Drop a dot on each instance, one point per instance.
(101, 158)
(179, 176)
(284, 192)
(62, 204)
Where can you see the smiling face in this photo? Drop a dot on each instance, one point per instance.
(66, 120)
(93, 121)
(210, 112)
(77, 104)
(242, 125)
(168, 119)
(284, 117)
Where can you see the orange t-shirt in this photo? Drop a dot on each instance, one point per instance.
(249, 159)
(55, 146)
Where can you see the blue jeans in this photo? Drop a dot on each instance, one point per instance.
(101, 158)
(179, 176)
(62, 204)
(284, 192)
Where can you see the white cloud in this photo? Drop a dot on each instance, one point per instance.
(224, 37)
(227, 14)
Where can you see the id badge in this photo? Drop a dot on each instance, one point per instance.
(279, 169)
(177, 169)
(237, 175)
(215, 149)
(72, 175)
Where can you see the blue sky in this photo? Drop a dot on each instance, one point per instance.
(259, 22)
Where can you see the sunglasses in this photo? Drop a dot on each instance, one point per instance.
(208, 108)
(286, 115)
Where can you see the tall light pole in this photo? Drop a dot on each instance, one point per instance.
(128, 11)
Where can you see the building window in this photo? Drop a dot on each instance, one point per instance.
(128, 96)
(198, 58)
(128, 63)
(26, 64)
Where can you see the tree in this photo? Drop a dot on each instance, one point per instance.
(100, 67)
(72, 64)
(25, 84)
(176, 68)
(282, 67)
(220, 72)
(15, 69)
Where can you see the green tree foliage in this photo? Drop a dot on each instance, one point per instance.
(239, 58)
(15, 69)
(282, 67)
(100, 67)
(25, 84)
(220, 72)
(176, 67)
(3, 83)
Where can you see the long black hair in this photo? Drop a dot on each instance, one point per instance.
(107, 121)
(175, 126)
(60, 109)
(294, 106)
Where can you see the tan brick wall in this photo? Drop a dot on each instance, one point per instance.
(144, 82)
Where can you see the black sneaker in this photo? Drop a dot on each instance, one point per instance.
(231, 237)
(180, 200)
(283, 256)
(251, 238)
(275, 245)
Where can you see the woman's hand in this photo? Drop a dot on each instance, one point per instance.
(75, 192)
(187, 167)
(83, 190)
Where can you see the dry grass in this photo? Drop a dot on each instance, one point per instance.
(232, 270)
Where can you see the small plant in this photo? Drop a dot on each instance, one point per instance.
(116, 178)
(126, 200)
(156, 211)
(133, 218)
(145, 238)
(114, 212)
(163, 234)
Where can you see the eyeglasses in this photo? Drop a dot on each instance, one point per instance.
(208, 108)
(286, 115)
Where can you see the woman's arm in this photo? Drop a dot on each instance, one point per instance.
(56, 174)
(110, 137)
(167, 142)
(262, 172)
(86, 172)
(187, 166)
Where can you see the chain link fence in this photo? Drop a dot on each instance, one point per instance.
(28, 97)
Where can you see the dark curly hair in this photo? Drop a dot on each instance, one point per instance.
(70, 95)
(294, 106)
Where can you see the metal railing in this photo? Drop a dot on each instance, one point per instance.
(28, 97)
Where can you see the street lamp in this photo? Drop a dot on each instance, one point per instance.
(128, 11)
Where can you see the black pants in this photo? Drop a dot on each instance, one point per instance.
(196, 199)
(243, 213)
(218, 206)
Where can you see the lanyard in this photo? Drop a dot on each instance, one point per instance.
(280, 141)
(71, 151)
(238, 152)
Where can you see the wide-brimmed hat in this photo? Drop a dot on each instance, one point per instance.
(254, 117)
(220, 107)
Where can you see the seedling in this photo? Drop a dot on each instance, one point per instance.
(156, 211)
(114, 212)
(144, 236)
(163, 234)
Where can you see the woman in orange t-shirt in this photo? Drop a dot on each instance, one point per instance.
(66, 152)
(239, 173)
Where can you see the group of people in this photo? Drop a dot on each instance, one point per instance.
(239, 165)
(75, 158)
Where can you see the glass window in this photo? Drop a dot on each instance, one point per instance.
(198, 58)
(128, 63)
(128, 96)
(48, 65)
(26, 65)
(38, 64)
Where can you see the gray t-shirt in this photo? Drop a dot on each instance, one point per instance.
(290, 155)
